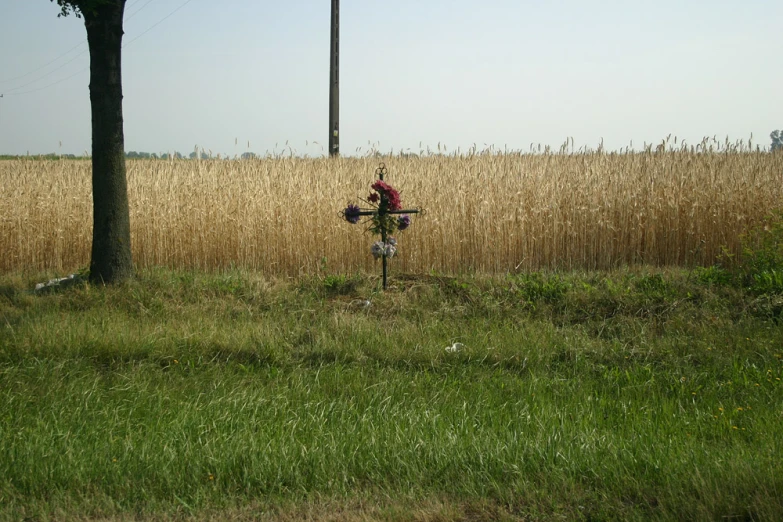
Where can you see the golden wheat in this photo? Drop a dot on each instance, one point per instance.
(488, 212)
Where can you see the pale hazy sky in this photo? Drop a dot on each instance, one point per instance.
(496, 72)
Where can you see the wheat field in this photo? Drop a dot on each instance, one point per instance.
(487, 212)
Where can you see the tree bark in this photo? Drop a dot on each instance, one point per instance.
(111, 260)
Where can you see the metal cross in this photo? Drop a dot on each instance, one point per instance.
(382, 210)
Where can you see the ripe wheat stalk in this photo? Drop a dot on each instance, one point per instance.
(487, 212)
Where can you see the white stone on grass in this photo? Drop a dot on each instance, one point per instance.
(62, 282)
(454, 348)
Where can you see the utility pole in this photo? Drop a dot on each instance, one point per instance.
(334, 82)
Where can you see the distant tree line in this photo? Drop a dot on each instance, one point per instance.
(176, 155)
(152, 155)
(50, 156)
(131, 155)
(776, 136)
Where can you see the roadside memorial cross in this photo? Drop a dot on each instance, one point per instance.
(387, 215)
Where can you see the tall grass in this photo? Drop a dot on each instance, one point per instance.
(636, 395)
(488, 212)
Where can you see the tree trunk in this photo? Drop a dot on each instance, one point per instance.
(111, 260)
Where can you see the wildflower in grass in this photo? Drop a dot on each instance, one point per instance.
(683, 379)
(351, 214)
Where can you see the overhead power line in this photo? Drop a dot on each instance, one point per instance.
(46, 86)
(45, 75)
(12, 92)
(44, 66)
(131, 15)
(153, 26)
(66, 53)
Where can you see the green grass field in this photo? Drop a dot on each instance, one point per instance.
(631, 395)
